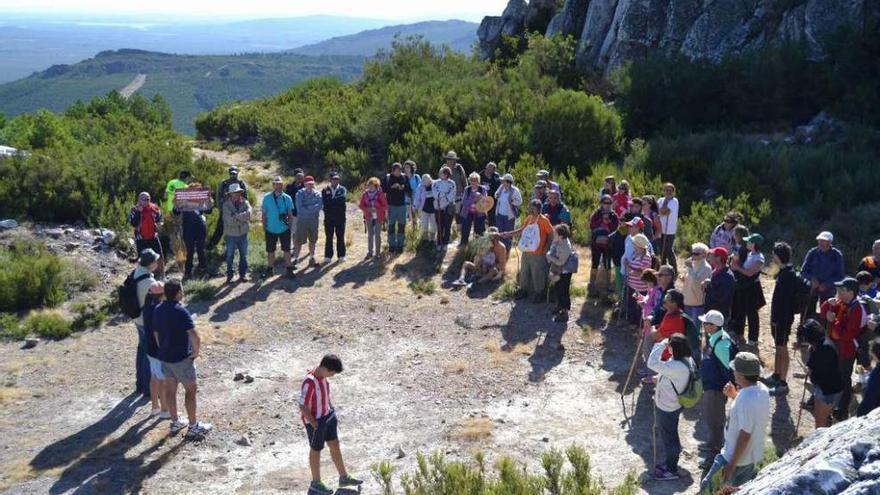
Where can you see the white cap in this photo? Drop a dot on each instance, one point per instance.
(825, 236)
(713, 317)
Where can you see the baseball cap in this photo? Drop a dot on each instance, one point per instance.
(636, 222)
(747, 363)
(825, 236)
(334, 175)
(542, 174)
(720, 252)
(309, 179)
(754, 238)
(540, 183)
(713, 317)
(508, 178)
(278, 180)
(148, 257)
(848, 283)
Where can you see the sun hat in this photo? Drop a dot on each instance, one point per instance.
(641, 240)
(484, 204)
(148, 257)
(234, 188)
(508, 178)
(309, 180)
(748, 364)
(451, 155)
(825, 236)
(713, 317)
(278, 180)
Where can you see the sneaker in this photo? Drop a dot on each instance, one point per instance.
(459, 283)
(229, 278)
(665, 475)
(164, 415)
(779, 390)
(176, 426)
(327, 261)
(341, 259)
(349, 480)
(155, 412)
(319, 488)
(243, 278)
(198, 430)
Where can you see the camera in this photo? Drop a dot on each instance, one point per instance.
(283, 218)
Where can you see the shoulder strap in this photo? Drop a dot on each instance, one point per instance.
(142, 277)
(690, 377)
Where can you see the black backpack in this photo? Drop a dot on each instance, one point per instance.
(128, 296)
(802, 291)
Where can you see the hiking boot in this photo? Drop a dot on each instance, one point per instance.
(349, 480)
(319, 488)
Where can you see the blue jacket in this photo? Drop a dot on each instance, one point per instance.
(719, 293)
(308, 204)
(826, 267)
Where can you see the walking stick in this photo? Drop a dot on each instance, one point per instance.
(797, 426)
(654, 436)
(632, 367)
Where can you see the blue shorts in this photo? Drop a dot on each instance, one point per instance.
(156, 368)
(326, 430)
(830, 399)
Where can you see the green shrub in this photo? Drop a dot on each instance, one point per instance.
(90, 314)
(30, 277)
(435, 475)
(11, 328)
(48, 325)
(424, 287)
(200, 290)
(78, 277)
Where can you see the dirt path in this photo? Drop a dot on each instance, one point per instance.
(444, 372)
(133, 86)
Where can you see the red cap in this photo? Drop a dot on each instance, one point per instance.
(720, 252)
(309, 178)
(636, 222)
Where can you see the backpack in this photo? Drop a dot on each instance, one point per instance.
(128, 297)
(734, 350)
(693, 392)
(802, 291)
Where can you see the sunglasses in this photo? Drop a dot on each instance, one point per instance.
(697, 254)
(606, 203)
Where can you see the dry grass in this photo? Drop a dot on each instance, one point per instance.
(13, 393)
(473, 429)
(227, 334)
(28, 363)
(501, 354)
(19, 470)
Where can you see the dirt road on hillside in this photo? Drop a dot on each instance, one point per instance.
(133, 86)
(444, 372)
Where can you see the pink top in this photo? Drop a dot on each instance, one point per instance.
(634, 277)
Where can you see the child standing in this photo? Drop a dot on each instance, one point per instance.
(647, 302)
(319, 418)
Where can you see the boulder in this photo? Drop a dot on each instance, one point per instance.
(844, 458)
(493, 29)
(8, 224)
(572, 16)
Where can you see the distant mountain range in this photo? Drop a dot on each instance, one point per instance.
(458, 35)
(193, 84)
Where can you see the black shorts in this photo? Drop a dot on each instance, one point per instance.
(781, 332)
(326, 430)
(154, 244)
(272, 241)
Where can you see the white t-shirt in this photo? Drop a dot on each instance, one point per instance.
(750, 413)
(669, 223)
(143, 287)
(673, 375)
(753, 259)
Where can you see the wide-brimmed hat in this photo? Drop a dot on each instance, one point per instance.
(451, 155)
(713, 317)
(234, 188)
(485, 204)
(508, 178)
(641, 241)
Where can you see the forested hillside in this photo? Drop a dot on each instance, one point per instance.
(716, 129)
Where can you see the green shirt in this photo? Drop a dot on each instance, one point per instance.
(173, 185)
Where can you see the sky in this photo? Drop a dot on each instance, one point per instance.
(409, 10)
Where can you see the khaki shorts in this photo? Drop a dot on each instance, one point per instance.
(183, 371)
(307, 230)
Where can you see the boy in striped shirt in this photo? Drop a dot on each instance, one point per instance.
(319, 418)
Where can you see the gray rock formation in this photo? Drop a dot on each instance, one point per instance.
(539, 14)
(611, 32)
(843, 459)
(493, 29)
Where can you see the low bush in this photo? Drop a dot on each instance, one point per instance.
(698, 225)
(424, 287)
(89, 315)
(30, 277)
(11, 328)
(78, 277)
(47, 324)
(199, 290)
(435, 475)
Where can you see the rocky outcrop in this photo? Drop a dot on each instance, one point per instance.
(539, 14)
(493, 29)
(610, 32)
(844, 459)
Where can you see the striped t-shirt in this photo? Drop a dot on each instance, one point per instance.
(315, 394)
(634, 277)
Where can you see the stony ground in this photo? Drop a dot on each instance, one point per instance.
(444, 372)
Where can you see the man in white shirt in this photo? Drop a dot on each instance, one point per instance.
(508, 201)
(746, 429)
(668, 205)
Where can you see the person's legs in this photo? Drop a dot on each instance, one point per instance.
(711, 482)
(714, 402)
(336, 456)
(695, 312)
(539, 274)
(231, 244)
(142, 363)
(525, 272)
(315, 464)
(190, 244)
(668, 255)
(200, 251)
(171, 395)
(339, 227)
(401, 229)
(479, 225)
(242, 244)
(738, 315)
(156, 393)
(846, 369)
(822, 413)
(189, 401)
(667, 424)
(754, 323)
(218, 230)
(466, 223)
(563, 292)
(329, 230)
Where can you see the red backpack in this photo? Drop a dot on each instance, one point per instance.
(147, 226)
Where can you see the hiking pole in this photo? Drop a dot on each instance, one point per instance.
(797, 426)
(632, 367)
(654, 436)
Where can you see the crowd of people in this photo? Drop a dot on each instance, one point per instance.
(699, 321)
